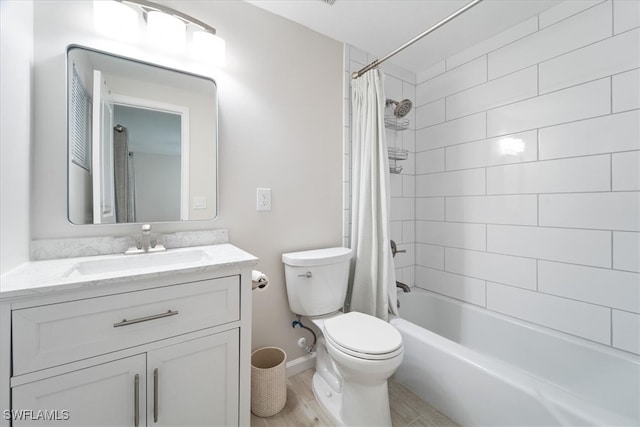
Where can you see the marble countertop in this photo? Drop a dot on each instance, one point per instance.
(42, 277)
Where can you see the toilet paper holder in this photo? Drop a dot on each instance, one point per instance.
(259, 280)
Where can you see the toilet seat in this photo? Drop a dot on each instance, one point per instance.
(363, 336)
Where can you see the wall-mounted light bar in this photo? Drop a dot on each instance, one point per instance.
(165, 27)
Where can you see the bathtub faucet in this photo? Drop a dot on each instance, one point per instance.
(404, 287)
(395, 250)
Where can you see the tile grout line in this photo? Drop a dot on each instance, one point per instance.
(612, 268)
(611, 172)
(611, 327)
(611, 94)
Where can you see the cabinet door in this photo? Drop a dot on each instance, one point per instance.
(195, 383)
(103, 395)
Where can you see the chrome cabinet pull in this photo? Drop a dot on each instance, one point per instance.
(136, 401)
(126, 322)
(155, 395)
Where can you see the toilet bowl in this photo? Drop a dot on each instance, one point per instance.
(363, 353)
(356, 353)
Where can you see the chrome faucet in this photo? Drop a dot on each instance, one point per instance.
(395, 250)
(403, 286)
(146, 244)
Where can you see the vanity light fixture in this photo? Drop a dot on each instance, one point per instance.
(166, 30)
(165, 26)
(116, 20)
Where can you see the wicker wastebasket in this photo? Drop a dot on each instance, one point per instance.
(268, 381)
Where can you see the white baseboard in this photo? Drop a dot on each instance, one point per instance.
(295, 366)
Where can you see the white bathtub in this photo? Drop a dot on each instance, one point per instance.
(481, 368)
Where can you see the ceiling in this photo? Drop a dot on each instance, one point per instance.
(380, 26)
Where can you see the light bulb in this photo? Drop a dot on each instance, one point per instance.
(115, 19)
(166, 30)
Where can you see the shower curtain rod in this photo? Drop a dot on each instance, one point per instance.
(377, 62)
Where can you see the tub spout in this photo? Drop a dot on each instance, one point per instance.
(404, 287)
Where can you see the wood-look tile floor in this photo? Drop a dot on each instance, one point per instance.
(302, 410)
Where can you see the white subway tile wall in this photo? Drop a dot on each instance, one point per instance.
(511, 88)
(565, 10)
(627, 327)
(574, 103)
(524, 170)
(579, 30)
(452, 285)
(626, 172)
(575, 317)
(536, 198)
(516, 148)
(626, 15)
(626, 251)
(606, 134)
(513, 209)
(604, 58)
(626, 87)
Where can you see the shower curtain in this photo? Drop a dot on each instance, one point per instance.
(373, 289)
(122, 176)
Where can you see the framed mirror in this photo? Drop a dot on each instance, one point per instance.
(142, 141)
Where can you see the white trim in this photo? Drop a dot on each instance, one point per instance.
(295, 366)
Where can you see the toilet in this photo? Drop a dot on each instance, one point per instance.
(356, 353)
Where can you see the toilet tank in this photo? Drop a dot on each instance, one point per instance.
(317, 280)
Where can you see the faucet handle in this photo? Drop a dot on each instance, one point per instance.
(395, 250)
(146, 228)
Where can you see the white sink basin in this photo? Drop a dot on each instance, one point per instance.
(122, 263)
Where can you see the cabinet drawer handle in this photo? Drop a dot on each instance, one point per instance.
(136, 401)
(155, 395)
(126, 322)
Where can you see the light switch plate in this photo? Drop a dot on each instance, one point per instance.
(263, 199)
(199, 202)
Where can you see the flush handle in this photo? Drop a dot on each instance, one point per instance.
(307, 274)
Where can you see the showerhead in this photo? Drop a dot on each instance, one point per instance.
(401, 108)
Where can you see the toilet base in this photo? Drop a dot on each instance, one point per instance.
(378, 414)
(329, 400)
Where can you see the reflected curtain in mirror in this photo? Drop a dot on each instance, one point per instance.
(124, 185)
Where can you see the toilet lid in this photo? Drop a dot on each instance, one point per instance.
(363, 334)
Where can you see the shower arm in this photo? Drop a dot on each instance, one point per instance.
(377, 62)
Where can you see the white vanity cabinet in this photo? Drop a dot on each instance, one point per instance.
(194, 383)
(107, 394)
(171, 350)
